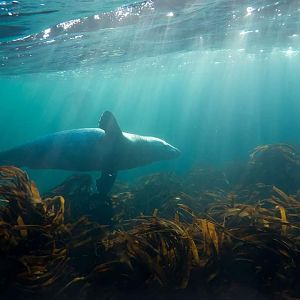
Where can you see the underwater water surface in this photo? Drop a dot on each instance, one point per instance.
(213, 78)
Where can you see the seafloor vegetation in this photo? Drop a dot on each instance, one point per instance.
(227, 233)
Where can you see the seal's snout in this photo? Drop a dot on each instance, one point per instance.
(173, 152)
(161, 150)
(177, 152)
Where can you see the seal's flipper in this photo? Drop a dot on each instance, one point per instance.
(109, 124)
(105, 182)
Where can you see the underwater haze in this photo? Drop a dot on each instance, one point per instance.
(213, 78)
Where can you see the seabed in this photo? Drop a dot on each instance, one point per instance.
(214, 233)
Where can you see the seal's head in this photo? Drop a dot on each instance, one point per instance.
(161, 150)
(131, 150)
(142, 150)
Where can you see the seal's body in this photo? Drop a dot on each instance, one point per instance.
(105, 149)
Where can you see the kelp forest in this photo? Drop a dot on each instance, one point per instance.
(211, 233)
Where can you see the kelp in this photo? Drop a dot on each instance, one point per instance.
(80, 199)
(34, 240)
(158, 252)
(276, 164)
(238, 243)
(278, 151)
(202, 236)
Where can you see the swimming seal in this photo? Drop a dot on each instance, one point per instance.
(106, 149)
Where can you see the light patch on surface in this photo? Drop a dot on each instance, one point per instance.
(122, 13)
(249, 11)
(50, 42)
(290, 52)
(244, 32)
(170, 14)
(69, 24)
(22, 39)
(46, 33)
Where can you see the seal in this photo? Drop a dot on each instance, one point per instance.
(106, 149)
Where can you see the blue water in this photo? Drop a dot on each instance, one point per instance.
(213, 78)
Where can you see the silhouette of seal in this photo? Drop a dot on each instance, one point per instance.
(106, 149)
